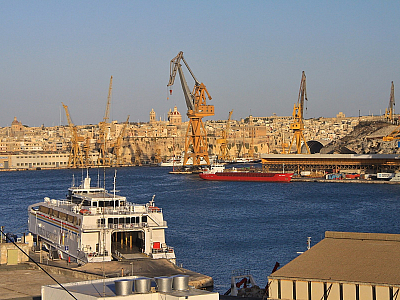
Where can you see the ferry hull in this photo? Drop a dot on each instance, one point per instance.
(247, 176)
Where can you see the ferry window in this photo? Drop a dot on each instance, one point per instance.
(144, 219)
(127, 220)
(116, 202)
(121, 220)
(110, 220)
(122, 203)
(133, 220)
(101, 203)
(94, 203)
(115, 220)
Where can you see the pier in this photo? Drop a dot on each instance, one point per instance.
(24, 281)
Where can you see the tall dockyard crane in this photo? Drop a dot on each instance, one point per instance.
(196, 135)
(390, 110)
(103, 158)
(75, 159)
(223, 149)
(118, 145)
(298, 124)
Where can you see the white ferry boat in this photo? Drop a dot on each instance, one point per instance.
(94, 225)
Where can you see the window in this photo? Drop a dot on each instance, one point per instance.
(144, 219)
(358, 292)
(373, 293)
(279, 289)
(294, 289)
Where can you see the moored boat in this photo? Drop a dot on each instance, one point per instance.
(219, 173)
(93, 225)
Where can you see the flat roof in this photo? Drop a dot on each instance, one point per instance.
(330, 156)
(372, 258)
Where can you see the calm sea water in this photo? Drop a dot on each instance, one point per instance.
(218, 227)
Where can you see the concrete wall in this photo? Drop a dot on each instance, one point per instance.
(4, 247)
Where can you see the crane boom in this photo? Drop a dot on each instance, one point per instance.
(102, 158)
(389, 114)
(175, 65)
(107, 112)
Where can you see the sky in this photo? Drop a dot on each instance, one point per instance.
(249, 54)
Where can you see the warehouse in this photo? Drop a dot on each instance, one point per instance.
(343, 266)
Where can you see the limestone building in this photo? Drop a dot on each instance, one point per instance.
(174, 117)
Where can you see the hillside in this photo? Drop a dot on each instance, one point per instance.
(366, 138)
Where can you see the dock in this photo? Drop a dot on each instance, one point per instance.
(24, 281)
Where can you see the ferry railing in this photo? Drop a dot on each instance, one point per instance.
(125, 210)
(122, 226)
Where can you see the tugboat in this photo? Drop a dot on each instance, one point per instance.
(93, 225)
(219, 173)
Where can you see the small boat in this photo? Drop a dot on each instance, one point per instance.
(218, 172)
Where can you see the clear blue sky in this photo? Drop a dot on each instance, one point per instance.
(249, 54)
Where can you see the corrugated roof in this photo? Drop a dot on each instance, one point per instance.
(345, 256)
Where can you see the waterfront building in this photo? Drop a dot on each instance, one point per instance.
(343, 266)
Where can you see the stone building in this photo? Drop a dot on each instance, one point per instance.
(174, 117)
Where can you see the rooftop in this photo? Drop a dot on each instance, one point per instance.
(346, 256)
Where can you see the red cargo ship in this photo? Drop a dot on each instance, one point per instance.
(218, 172)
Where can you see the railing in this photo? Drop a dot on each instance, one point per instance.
(124, 210)
(168, 249)
(121, 226)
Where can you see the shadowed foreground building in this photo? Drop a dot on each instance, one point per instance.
(343, 266)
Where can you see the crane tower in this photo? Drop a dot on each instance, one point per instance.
(298, 124)
(224, 151)
(75, 159)
(196, 145)
(390, 110)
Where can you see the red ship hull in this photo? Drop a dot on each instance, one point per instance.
(247, 176)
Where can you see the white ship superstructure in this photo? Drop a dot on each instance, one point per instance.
(93, 225)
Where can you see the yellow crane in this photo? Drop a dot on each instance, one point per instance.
(390, 110)
(75, 159)
(223, 149)
(103, 158)
(251, 145)
(298, 123)
(196, 145)
(118, 145)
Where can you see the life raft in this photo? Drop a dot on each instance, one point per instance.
(84, 211)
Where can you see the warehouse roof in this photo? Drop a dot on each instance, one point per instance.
(345, 256)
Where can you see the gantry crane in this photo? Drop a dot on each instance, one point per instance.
(103, 159)
(298, 124)
(223, 148)
(196, 135)
(75, 159)
(389, 113)
(118, 145)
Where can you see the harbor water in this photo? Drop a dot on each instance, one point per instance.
(218, 227)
